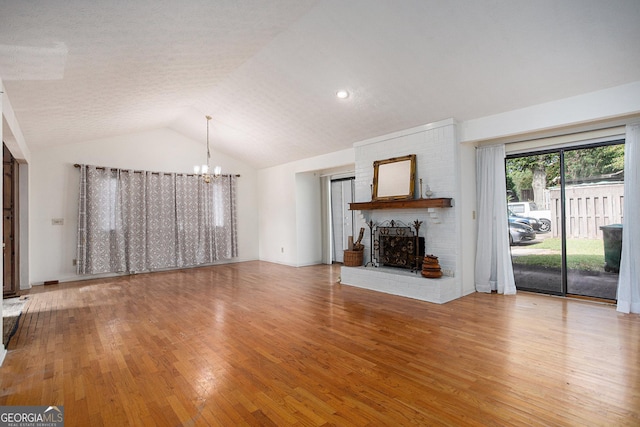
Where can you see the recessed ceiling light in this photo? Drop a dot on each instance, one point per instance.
(342, 94)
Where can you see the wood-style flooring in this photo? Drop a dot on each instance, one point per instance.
(257, 343)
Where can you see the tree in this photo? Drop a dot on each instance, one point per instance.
(589, 163)
(537, 172)
(539, 167)
(511, 189)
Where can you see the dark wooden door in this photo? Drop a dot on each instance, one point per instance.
(9, 210)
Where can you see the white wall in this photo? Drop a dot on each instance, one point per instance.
(592, 110)
(277, 215)
(12, 134)
(309, 218)
(281, 239)
(54, 191)
(466, 216)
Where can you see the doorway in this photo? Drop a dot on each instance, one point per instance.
(342, 220)
(565, 219)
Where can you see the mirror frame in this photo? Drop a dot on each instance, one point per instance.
(393, 180)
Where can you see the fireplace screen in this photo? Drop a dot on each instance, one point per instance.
(396, 245)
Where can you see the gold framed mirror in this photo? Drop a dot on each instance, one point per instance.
(394, 179)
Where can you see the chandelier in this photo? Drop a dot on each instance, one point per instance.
(204, 169)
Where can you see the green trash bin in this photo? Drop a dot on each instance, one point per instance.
(612, 235)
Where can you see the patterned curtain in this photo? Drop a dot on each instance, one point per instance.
(161, 220)
(191, 212)
(141, 221)
(223, 205)
(100, 234)
(134, 219)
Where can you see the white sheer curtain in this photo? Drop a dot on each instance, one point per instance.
(140, 221)
(629, 280)
(493, 271)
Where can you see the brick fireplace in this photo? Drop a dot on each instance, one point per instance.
(436, 153)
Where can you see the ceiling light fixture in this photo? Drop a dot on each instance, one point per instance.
(342, 94)
(204, 169)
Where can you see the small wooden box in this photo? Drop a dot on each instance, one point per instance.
(353, 258)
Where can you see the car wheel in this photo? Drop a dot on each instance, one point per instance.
(510, 240)
(545, 225)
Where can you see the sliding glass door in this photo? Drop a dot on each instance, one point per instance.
(535, 232)
(341, 217)
(593, 193)
(572, 201)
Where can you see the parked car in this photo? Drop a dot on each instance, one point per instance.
(519, 232)
(530, 221)
(531, 210)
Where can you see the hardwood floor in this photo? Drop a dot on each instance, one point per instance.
(263, 344)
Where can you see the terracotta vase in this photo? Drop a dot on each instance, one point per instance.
(430, 267)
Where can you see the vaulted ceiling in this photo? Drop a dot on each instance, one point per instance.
(268, 71)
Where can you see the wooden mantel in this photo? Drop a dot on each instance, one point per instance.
(402, 204)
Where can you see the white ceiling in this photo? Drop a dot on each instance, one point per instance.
(267, 71)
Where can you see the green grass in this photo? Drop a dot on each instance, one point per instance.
(574, 246)
(582, 254)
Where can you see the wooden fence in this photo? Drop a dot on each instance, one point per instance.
(588, 207)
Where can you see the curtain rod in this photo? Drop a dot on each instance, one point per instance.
(76, 165)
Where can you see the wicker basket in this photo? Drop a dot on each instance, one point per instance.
(353, 258)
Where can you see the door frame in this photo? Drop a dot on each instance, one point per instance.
(351, 179)
(13, 248)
